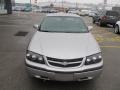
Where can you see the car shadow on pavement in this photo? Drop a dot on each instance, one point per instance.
(108, 27)
(105, 26)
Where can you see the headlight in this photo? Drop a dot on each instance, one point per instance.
(35, 57)
(93, 59)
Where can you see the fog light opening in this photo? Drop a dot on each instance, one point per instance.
(85, 78)
(44, 78)
(37, 76)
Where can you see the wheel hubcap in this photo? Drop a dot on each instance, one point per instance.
(116, 29)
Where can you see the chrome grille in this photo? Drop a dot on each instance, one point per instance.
(65, 63)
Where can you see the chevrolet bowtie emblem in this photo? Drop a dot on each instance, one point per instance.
(65, 63)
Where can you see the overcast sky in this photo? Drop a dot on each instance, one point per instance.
(80, 1)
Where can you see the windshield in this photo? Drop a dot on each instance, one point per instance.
(63, 24)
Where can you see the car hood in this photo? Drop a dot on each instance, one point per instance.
(64, 45)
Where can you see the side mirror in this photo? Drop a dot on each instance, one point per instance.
(90, 28)
(36, 26)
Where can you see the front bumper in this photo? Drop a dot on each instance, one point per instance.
(63, 76)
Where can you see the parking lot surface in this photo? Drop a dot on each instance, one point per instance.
(15, 33)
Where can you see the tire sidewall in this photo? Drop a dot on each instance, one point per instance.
(116, 30)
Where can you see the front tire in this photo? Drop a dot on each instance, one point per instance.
(101, 24)
(93, 21)
(116, 29)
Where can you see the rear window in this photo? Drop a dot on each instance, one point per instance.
(112, 13)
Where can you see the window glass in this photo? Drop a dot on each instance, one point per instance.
(64, 24)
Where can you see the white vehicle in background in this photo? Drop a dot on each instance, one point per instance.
(18, 8)
(37, 10)
(117, 28)
(73, 11)
(84, 12)
(91, 14)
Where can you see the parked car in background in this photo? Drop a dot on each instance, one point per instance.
(74, 11)
(18, 8)
(91, 14)
(106, 17)
(63, 49)
(37, 10)
(84, 12)
(53, 11)
(117, 28)
(27, 9)
(45, 10)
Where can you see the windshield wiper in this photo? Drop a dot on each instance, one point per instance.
(46, 31)
(62, 32)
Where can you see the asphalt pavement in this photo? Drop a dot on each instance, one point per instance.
(16, 31)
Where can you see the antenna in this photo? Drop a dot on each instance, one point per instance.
(63, 5)
(105, 1)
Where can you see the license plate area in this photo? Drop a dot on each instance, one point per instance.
(64, 77)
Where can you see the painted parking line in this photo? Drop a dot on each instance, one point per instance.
(100, 32)
(98, 35)
(107, 39)
(110, 47)
(104, 34)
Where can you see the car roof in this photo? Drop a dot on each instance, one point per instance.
(63, 14)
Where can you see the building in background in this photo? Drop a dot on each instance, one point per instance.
(13, 2)
(2, 7)
(5, 7)
(116, 8)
